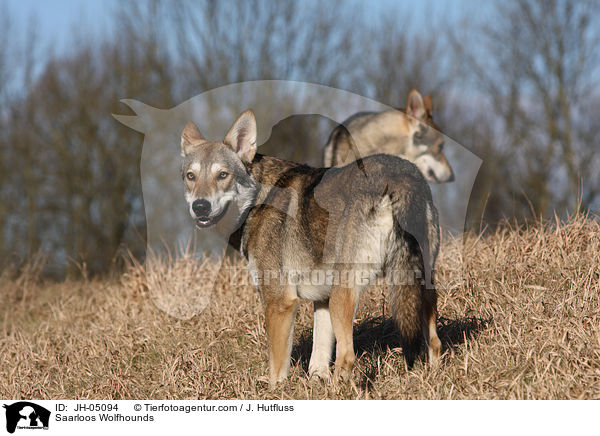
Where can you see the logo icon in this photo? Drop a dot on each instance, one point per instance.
(26, 415)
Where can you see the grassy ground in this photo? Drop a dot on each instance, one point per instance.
(520, 318)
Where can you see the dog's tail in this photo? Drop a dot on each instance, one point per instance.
(410, 263)
(340, 148)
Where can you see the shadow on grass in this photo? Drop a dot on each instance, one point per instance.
(375, 336)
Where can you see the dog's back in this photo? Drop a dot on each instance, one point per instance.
(368, 133)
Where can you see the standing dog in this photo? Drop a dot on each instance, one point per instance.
(409, 134)
(352, 224)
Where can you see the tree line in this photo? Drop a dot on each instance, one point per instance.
(516, 86)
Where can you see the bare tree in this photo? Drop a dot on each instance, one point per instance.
(535, 66)
(400, 55)
(228, 42)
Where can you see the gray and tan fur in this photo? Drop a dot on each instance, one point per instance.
(410, 134)
(283, 217)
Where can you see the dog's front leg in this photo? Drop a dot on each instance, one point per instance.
(323, 339)
(281, 305)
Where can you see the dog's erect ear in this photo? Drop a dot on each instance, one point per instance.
(415, 107)
(242, 136)
(190, 138)
(428, 105)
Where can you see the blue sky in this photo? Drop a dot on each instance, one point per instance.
(57, 20)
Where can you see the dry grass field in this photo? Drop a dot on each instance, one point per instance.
(520, 319)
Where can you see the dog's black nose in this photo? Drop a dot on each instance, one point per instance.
(201, 208)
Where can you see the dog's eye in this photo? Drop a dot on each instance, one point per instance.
(190, 176)
(223, 175)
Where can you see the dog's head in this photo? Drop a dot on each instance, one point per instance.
(218, 186)
(428, 142)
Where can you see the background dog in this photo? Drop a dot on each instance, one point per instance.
(410, 134)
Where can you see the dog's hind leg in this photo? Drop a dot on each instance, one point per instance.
(342, 306)
(430, 313)
(279, 315)
(323, 340)
(434, 345)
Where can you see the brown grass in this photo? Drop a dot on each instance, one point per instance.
(520, 318)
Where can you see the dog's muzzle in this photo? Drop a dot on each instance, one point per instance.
(203, 217)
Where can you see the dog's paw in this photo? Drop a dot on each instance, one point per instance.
(320, 373)
(342, 375)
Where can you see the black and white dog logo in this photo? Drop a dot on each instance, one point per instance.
(26, 415)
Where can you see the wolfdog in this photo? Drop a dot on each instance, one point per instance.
(410, 134)
(367, 219)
